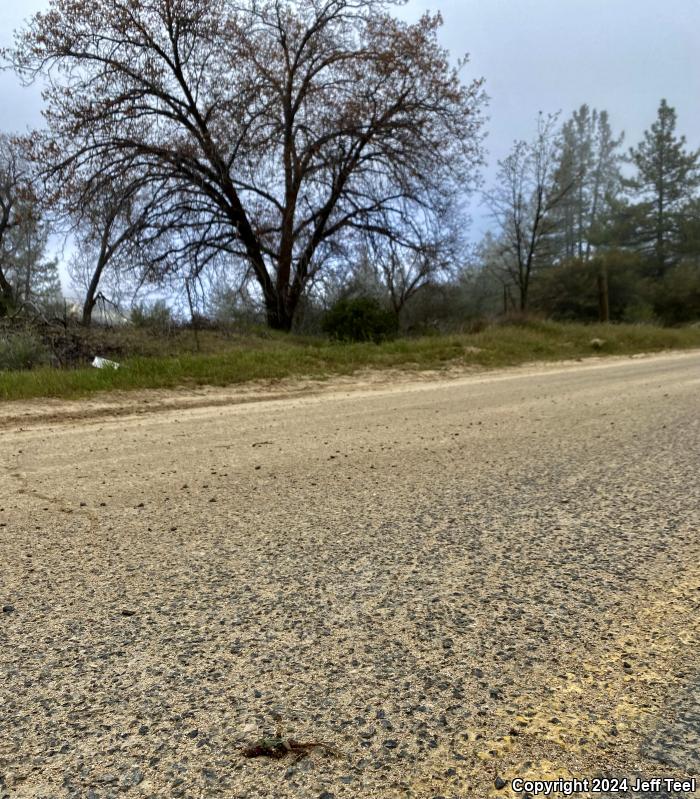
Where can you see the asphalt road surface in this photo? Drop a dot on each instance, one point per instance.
(452, 583)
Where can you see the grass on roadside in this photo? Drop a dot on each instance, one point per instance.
(277, 357)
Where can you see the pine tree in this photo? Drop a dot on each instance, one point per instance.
(14, 187)
(665, 186)
(34, 278)
(589, 163)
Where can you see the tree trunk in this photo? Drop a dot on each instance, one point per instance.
(193, 316)
(7, 295)
(660, 254)
(281, 303)
(278, 316)
(603, 295)
(660, 237)
(523, 296)
(88, 307)
(91, 295)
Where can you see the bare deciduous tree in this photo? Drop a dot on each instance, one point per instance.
(115, 225)
(282, 124)
(424, 247)
(523, 203)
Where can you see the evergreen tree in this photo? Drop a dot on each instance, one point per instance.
(34, 278)
(589, 164)
(665, 186)
(14, 187)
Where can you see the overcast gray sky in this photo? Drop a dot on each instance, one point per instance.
(548, 55)
(552, 55)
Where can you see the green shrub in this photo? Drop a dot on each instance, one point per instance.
(360, 319)
(568, 292)
(640, 313)
(676, 298)
(22, 350)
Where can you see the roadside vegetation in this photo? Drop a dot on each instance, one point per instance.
(287, 194)
(150, 361)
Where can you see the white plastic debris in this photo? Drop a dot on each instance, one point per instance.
(103, 363)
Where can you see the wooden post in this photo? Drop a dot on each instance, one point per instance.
(603, 295)
(192, 316)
